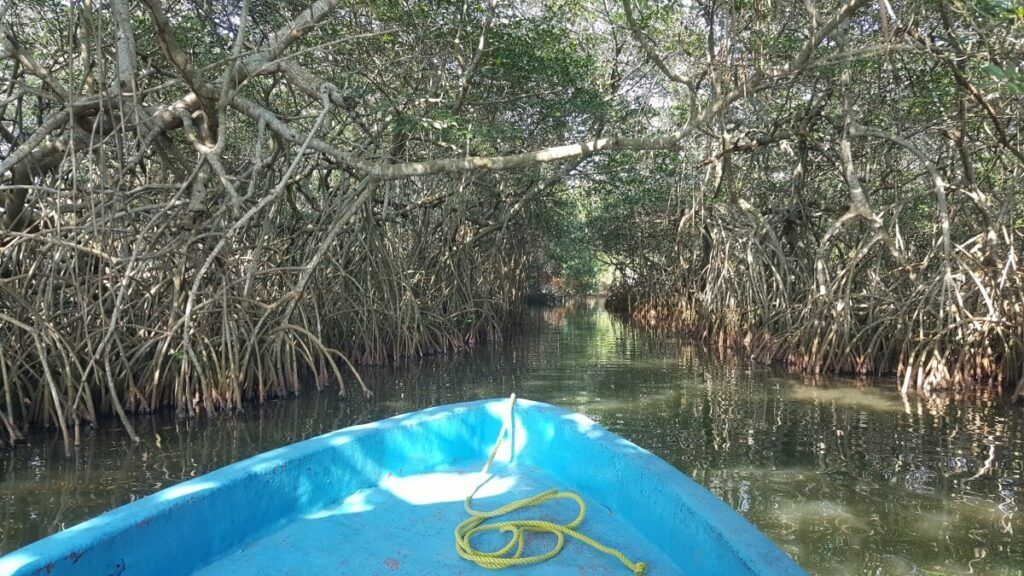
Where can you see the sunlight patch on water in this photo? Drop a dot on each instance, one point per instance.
(791, 475)
(607, 404)
(864, 398)
(973, 510)
(933, 524)
(820, 513)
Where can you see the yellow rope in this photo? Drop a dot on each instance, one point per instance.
(512, 553)
(497, 559)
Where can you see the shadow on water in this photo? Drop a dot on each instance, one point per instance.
(846, 477)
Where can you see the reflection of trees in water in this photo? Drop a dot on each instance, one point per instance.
(554, 316)
(843, 475)
(815, 465)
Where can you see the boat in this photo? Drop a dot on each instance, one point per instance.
(392, 497)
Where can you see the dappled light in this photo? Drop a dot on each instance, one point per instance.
(437, 487)
(355, 503)
(11, 563)
(183, 490)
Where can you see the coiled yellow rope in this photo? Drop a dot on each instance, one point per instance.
(497, 559)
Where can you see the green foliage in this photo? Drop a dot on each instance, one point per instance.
(568, 262)
(1006, 80)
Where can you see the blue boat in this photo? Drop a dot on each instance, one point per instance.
(386, 498)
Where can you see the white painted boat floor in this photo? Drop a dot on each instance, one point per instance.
(406, 526)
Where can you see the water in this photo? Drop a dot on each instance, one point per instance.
(847, 478)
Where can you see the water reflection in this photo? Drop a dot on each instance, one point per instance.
(846, 477)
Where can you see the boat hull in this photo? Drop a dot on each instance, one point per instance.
(384, 498)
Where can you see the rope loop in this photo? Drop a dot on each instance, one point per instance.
(512, 553)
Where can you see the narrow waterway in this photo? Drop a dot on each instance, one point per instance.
(847, 478)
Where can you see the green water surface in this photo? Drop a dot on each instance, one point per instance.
(846, 477)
